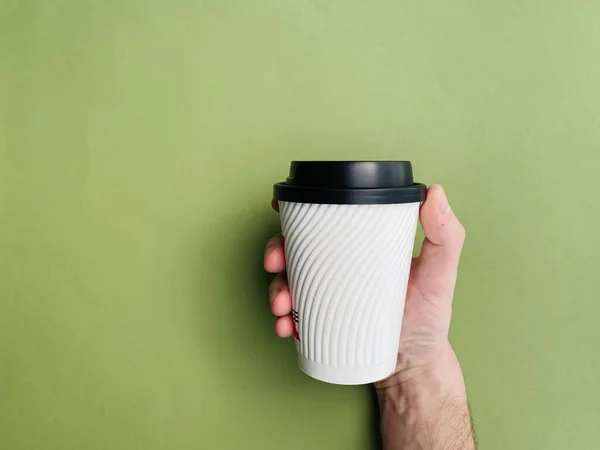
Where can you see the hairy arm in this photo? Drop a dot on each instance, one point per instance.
(427, 410)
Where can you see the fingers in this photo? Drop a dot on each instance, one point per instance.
(284, 327)
(444, 238)
(279, 291)
(274, 261)
(280, 297)
(281, 302)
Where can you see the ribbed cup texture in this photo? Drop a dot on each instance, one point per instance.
(348, 268)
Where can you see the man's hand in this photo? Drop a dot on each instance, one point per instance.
(424, 337)
(423, 404)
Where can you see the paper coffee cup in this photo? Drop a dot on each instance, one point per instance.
(349, 229)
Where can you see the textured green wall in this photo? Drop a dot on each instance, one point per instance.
(138, 144)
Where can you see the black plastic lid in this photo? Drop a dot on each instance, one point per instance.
(350, 182)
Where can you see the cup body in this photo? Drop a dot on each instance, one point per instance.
(348, 268)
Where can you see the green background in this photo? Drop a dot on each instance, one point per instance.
(138, 144)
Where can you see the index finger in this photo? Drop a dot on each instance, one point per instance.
(274, 261)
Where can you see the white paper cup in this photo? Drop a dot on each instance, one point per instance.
(348, 266)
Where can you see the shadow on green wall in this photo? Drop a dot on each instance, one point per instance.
(236, 327)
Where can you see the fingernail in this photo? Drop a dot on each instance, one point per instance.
(444, 206)
(270, 245)
(275, 295)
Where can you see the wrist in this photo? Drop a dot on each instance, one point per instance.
(440, 375)
(421, 402)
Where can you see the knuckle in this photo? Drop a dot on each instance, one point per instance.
(277, 285)
(273, 287)
(271, 242)
(461, 232)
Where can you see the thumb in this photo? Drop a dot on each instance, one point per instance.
(444, 238)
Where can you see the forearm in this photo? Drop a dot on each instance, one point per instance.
(427, 411)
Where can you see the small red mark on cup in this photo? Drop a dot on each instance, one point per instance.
(295, 319)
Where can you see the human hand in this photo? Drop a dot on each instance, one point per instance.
(424, 336)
